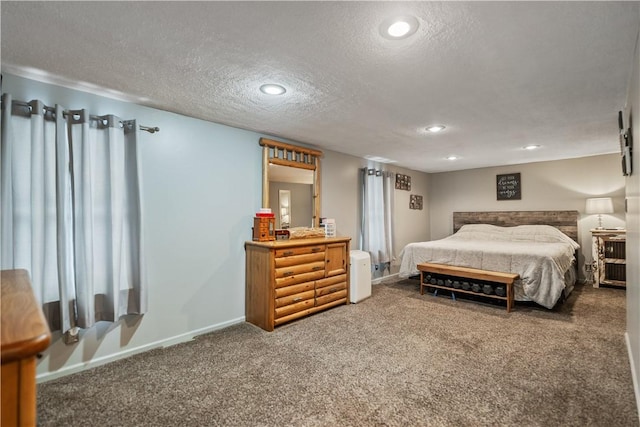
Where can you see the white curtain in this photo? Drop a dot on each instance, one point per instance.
(377, 218)
(71, 212)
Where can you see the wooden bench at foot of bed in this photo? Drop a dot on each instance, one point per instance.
(469, 273)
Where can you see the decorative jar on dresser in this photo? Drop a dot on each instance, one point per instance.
(290, 279)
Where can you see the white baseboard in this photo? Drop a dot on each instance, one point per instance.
(384, 279)
(167, 342)
(634, 373)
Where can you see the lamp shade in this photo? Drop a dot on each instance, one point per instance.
(599, 205)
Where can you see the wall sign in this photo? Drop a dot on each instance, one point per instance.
(508, 186)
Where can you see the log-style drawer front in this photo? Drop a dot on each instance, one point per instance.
(294, 289)
(294, 308)
(299, 269)
(331, 297)
(331, 281)
(281, 320)
(298, 278)
(279, 253)
(299, 259)
(331, 289)
(292, 299)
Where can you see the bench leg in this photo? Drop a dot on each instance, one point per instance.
(509, 296)
(421, 284)
(435, 294)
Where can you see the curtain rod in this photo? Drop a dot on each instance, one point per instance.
(149, 129)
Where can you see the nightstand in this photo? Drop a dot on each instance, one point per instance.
(609, 258)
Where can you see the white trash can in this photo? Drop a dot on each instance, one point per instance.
(360, 273)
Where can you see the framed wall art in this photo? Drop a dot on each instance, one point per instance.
(626, 145)
(403, 182)
(415, 202)
(508, 186)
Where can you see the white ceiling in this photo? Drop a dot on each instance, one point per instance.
(499, 75)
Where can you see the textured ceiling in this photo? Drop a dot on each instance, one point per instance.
(499, 75)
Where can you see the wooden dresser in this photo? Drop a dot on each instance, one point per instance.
(290, 279)
(25, 333)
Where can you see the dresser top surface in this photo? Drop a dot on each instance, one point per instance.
(277, 244)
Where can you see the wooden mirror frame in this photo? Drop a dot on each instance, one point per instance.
(283, 154)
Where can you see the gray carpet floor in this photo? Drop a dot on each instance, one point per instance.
(395, 359)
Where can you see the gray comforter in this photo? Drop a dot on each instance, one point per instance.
(540, 254)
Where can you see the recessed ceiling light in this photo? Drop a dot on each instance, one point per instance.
(531, 147)
(398, 27)
(436, 128)
(272, 89)
(379, 159)
(452, 158)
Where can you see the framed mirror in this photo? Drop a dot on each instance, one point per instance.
(296, 170)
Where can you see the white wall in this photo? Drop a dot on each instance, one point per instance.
(201, 187)
(633, 228)
(202, 184)
(412, 225)
(556, 185)
(340, 200)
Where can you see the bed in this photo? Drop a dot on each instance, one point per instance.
(538, 245)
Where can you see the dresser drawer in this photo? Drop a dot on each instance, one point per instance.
(299, 269)
(331, 289)
(331, 297)
(299, 259)
(279, 253)
(298, 314)
(299, 278)
(292, 299)
(294, 289)
(331, 281)
(293, 308)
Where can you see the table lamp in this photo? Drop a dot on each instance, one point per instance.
(599, 206)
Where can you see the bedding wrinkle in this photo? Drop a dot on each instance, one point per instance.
(540, 254)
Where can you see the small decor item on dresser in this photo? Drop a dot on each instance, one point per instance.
(329, 225)
(282, 234)
(264, 225)
(265, 213)
(305, 232)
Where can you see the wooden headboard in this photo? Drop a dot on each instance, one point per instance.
(565, 221)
